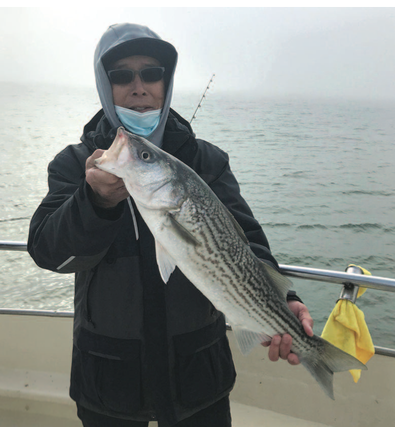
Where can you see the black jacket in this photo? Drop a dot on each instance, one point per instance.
(142, 349)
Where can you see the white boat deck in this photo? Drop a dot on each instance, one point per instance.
(35, 370)
(40, 399)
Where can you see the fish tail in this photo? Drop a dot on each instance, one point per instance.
(324, 360)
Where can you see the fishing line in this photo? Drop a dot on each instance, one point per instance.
(14, 219)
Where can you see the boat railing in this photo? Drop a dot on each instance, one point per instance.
(7, 245)
(350, 280)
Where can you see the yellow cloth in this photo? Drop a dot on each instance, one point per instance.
(347, 330)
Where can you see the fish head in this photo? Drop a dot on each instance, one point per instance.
(149, 173)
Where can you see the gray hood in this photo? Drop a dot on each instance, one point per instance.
(120, 41)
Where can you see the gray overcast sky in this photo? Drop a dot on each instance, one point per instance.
(339, 52)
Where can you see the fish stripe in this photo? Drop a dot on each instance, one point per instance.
(254, 300)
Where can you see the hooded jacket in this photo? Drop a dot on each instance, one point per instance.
(142, 350)
(123, 40)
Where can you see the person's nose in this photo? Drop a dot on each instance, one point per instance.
(137, 86)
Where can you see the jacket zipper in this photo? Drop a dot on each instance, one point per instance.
(88, 287)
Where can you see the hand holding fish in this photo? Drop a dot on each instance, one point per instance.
(280, 346)
(107, 189)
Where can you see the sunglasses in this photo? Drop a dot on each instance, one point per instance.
(148, 75)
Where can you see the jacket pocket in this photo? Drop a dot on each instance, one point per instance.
(107, 372)
(204, 365)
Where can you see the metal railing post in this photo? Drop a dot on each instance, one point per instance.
(349, 290)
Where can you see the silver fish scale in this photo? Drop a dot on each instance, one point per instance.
(234, 280)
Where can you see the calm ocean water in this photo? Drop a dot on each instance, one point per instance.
(318, 175)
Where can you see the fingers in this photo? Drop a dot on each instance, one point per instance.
(285, 346)
(107, 195)
(274, 350)
(302, 313)
(95, 176)
(308, 325)
(90, 162)
(280, 347)
(293, 359)
(107, 189)
(306, 320)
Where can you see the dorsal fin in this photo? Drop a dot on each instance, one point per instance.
(280, 282)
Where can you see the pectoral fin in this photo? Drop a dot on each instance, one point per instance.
(182, 232)
(166, 263)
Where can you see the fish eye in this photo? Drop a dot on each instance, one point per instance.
(145, 155)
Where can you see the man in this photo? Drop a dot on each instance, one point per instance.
(142, 350)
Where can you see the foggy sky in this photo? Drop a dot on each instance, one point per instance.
(323, 52)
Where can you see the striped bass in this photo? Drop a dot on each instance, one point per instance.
(195, 232)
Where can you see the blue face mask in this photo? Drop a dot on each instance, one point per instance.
(142, 124)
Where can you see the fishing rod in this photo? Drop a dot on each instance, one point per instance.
(203, 96)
